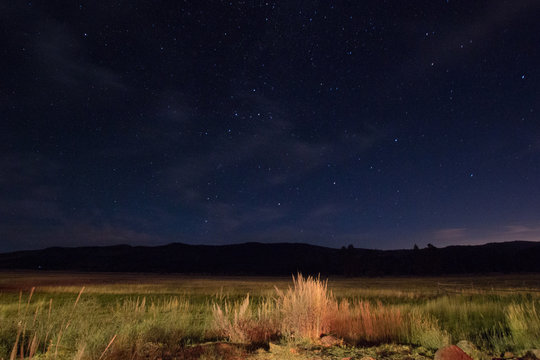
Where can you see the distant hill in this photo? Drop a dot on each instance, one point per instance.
(282, 259)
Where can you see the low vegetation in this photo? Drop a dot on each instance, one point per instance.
(307, 310)
(195, 318)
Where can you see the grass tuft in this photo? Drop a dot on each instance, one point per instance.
(241, 324)
(306, 309)
(524, 324)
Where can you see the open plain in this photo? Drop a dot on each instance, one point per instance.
(58, 315)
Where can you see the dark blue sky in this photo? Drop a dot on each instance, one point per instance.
(374, 123)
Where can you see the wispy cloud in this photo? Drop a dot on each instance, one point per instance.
(36, 236)
(522, 232)
(451, 234)
(474, 235)
(62, 57)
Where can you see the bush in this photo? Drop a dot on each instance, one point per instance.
(240, 324)
(307, 309)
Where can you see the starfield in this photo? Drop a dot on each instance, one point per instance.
(251, 179)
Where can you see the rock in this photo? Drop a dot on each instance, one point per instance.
(467, 346)
(451, 352)
(367, 358)
(470, 349)
(329, 341)
(508, 355)
(531, 355)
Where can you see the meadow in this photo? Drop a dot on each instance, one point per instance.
(49, 315)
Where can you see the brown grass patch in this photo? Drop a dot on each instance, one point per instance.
(242, 324)
(307, 308)
(366, 323)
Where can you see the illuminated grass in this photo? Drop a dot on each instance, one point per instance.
(132, 316)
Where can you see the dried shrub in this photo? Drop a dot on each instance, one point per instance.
(241, 324)
(306, 309)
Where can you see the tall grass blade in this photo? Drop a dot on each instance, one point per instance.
(15, 346)
(107, 348)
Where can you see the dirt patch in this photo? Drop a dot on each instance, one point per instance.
(152, 351)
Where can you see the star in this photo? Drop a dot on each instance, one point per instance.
(308, 105)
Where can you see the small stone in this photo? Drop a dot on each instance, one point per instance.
(508, 355)
(367, 358)
(451, 352)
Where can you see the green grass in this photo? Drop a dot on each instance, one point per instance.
(136, 316)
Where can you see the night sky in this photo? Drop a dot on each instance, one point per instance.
(375, 123)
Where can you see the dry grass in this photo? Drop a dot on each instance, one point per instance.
(241, 324)
(304, 311)
(307, 309)
(364, 323)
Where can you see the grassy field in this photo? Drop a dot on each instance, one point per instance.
(45, 315)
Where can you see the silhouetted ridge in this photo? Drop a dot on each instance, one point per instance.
(282, 259)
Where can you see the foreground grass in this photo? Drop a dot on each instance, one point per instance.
(131, 316)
